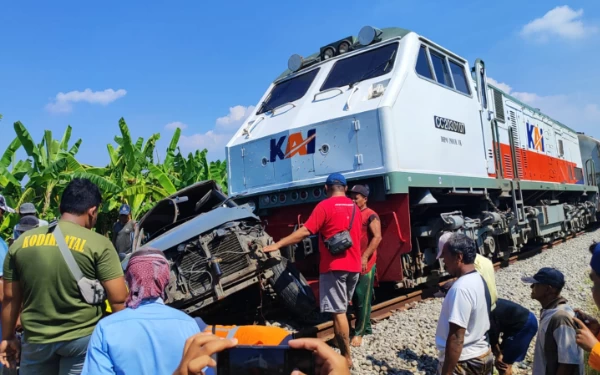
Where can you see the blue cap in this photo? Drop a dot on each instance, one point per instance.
(547, 276)
(125, 209)
(595, 261)
(336, 179)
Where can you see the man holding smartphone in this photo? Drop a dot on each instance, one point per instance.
(339, 272)
(201, 350)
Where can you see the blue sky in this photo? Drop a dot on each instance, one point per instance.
(200, 65)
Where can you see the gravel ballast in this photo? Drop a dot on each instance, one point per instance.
(405, 342)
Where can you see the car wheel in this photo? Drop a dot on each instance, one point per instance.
(293, 289)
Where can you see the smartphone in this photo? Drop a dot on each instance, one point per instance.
(264, 360)
(581, 317)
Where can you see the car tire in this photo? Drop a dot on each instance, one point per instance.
(293, 289)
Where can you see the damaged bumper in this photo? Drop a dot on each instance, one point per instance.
(213, 246)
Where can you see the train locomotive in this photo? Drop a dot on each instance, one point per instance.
(440, 148)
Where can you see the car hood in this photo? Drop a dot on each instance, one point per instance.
(198, 225)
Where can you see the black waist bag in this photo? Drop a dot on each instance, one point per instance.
(342, 241)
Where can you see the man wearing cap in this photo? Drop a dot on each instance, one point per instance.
(25, 223)
(369, 241)
(339, 273)
(556, 350)
(461, 335)
(28, 209)
(122, 235)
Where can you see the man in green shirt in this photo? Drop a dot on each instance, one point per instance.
(56, 320)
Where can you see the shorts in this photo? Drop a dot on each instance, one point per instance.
(336, 289)
(482, 365)
(514, 348)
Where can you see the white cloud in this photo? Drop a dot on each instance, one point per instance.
(236, 116)
(212, 141)
(215, 139)
(502, 86)
(176, 124)
(562, 22)
(63, 102)
(529, 97)
(577, 110)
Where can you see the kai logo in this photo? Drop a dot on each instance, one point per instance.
(296, 145)
(535, 137)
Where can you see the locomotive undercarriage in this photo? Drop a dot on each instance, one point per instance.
(501, 222)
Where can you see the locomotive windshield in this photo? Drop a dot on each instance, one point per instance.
(363, 66)
(288, 91)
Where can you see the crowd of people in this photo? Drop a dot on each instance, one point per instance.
(57, 276)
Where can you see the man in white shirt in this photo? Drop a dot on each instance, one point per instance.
(483, 265)
(464, 321)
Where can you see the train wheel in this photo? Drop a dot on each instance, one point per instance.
(292, 287)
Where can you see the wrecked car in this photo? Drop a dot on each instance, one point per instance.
(214, 248)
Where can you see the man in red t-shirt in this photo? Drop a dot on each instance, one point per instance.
(338, 273)
(369, 241)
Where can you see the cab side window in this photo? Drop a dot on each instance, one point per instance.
(460, 80)
(441, 69)
(423, 67)
(438, 67)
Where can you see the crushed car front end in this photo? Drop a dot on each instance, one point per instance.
(214, 247)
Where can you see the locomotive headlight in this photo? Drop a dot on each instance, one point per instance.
(368, 35)
(344, 47)
(328, 53)
(295, 62)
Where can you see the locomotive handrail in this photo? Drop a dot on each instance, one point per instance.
(281, 106)
(328, 90)
(248, 129)
(355, 89)
(397, 225)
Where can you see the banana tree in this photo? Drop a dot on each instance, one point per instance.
(132, 169)
(131, 176)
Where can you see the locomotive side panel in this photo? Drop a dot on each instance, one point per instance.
(437, 128)
(535, 148)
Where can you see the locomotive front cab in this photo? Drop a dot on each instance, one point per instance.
(327, 113)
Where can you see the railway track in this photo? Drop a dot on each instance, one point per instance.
(386, 308)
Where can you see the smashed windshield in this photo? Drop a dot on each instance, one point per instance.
(370, 64)
(288, 91)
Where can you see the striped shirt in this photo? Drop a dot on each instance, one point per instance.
(555, 342)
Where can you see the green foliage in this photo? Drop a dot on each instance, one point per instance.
(132, 176)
